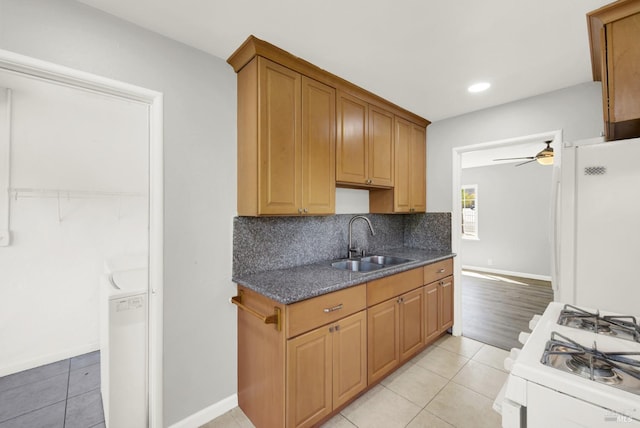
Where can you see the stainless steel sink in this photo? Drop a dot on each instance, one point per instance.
(385, 260)
(356, 265)
(369, 263)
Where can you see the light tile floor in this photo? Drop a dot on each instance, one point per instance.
(450, 384)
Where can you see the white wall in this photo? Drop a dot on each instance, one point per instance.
(576, 110)
(200, 169)
(76, 141)
(352, 201)
(513, 218)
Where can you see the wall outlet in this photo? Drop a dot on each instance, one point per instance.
(490, 262)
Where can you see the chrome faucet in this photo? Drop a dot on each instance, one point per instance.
(350, 248)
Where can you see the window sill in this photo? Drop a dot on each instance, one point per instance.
(470, 238)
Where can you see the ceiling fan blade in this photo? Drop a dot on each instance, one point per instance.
(503, 159)
(529, 161)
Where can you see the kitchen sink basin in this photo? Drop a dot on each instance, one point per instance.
(356, 265)
(385, 260)
(369, 263)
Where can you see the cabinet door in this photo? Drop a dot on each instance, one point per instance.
(431, 305)
(349, 358)
(352, 140)
(280, 157)
(383, 339)
(309, 392)
(412, 323)
(381, 164)
(318, 147)
(623, 68)
(403, 175)
(445, 299)
(418, 169)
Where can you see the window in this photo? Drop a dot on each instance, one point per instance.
(470, 211)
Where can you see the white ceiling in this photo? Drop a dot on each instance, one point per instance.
(419, 54)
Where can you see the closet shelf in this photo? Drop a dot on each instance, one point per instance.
(18, 193)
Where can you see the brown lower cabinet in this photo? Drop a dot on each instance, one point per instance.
(438, 298)
(299, 364)
(325, 368)
(396, 332)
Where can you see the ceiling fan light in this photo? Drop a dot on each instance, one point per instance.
(546, 160)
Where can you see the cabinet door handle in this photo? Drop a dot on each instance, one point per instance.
(442, 270)
(331, 329)
(338, 327)
(335, 308)
(306, 210)
(400, 299)
(299, 210)
(443, 284)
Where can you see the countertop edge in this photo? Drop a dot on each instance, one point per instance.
(354, 278)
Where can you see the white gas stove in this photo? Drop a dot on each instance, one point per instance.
(578, 368)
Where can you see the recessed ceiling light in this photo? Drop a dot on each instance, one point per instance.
(479, 87)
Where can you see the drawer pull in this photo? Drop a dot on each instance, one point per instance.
(267, 319)
(335, 308)
(442, 270)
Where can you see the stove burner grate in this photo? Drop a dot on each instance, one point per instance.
(617, 369)
(624, 327)
(591, 325)
(592, 368)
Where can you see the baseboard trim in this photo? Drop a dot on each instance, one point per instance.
(508, 272)
(48, 359)
(208, 413)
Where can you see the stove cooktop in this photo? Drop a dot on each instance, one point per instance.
(570, 369)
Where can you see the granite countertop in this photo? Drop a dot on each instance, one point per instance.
(303, 282)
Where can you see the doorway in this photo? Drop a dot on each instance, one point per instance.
(504, 238)
(69, 198)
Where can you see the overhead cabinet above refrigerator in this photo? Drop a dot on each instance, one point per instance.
(614, 32)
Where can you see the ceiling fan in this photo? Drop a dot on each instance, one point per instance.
(544, 157)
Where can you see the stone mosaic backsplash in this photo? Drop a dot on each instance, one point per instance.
(430, 231)
(269, 243)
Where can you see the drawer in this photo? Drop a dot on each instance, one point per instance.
(438, 270)
(383, 289)
(306, 315)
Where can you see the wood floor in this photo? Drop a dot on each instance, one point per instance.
(496, 308)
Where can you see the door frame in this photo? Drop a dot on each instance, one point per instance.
(456, 212)
(43, 70)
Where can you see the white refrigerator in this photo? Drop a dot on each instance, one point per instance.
(597, 233)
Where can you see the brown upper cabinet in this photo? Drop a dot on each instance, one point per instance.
(409, 194)
(614, 32)
(365, 153)
(302, 129)
(286, 146)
